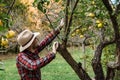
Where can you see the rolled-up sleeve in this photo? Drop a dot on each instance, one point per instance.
(47, 40)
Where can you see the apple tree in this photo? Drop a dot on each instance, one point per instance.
(94, 18)
(97, 20)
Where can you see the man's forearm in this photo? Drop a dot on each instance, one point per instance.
(48, 39)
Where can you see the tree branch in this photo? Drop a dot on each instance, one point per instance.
(97, 56)
(108, 6)
(10, 8)
(69, 24)
(97, 67)
(110, 73)
(66, 14)
(117, 10)
(51, 24)
(77, 67)
(49, 20)
(112, 17)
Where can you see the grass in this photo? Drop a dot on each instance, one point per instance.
(10, 72)
(58, 69)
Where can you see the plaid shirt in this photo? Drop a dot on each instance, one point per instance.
(29, 63)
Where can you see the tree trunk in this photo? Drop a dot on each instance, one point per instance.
(96, 64)
(77, 67)
(110, 74)
(84, 62)
(117, 75)
(115, 24)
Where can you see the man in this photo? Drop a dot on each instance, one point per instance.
(28, 62)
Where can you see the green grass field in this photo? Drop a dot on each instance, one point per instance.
(58, 69)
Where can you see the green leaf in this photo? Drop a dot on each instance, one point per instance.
(2, 28)
(40, 7)
(56, 0)
(35, 2)
(2, 5)
(44, 11)
(48, 2)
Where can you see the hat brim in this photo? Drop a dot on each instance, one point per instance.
(27, 45)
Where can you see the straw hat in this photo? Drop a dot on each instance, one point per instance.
(26, 38)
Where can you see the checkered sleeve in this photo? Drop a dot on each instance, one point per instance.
(35, 64)
(47, 40)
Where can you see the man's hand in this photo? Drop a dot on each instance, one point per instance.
(55, 46)
(61, 23)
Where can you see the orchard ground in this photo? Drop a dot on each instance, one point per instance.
(58, 69)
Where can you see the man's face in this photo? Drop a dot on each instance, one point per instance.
(35, 43)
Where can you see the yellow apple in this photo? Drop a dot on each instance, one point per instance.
(81, 36)
(1, 24)
(77, 31)
(91, 15)
(98, 21)
(73, 34)
(4, 42)
(84, 29)
(100, 25)
(93, 2)
(7, 35)
(10, 34)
